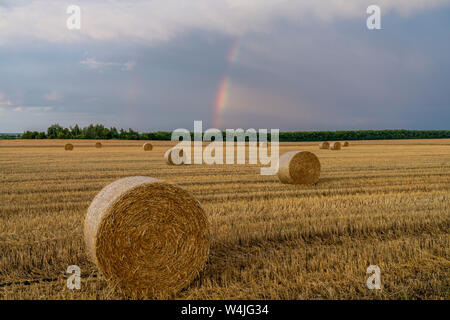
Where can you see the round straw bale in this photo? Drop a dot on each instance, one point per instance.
(68, 147)
(346, 144)
(98, 145)
(299, 167)
(171, 156)
(148, 238)
(335, 146)
(324, 145)
(147, 146)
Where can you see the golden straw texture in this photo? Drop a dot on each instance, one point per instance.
(149, 238)
(68, 147)
(147, 146)
(299, 167)
(335, 146)
(324, 145)
(98, 145)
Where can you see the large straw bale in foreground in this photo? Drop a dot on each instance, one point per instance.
(149, 238)
(335, 146)
(147, 146)
(68, 147)
(172, 157)
(324, 145)
(299, 167)
(98, 145)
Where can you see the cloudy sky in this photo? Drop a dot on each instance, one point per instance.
(287, 64)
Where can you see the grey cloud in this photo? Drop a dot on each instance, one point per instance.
(99, 65)
(4, 102)
(296, 75)
(158, 21)
(52, 96)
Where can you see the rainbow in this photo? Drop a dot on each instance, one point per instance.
(223, 91)
(233, 54)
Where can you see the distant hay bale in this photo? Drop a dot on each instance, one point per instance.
(68, 147)
(346, 144)
(98, 145)
(149, 239)
(172, 154)
(299, 167)
(147, 146)
(324, 145)
(335, 146)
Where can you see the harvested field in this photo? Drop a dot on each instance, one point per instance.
(377, 203)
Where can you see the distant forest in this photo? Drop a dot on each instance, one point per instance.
(101, 132)
(10, 135)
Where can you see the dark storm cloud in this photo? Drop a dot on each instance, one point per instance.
(297, 75)
(349, 77)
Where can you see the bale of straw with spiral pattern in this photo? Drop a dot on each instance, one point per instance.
(324, 145)
(175, 157)
(346, 144)
(149, 239)
(335, 146)
(147, 146)
(98, 145)
(68, 147)
(299, 167)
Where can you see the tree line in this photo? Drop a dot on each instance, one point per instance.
(99, 131)
(7, 136)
